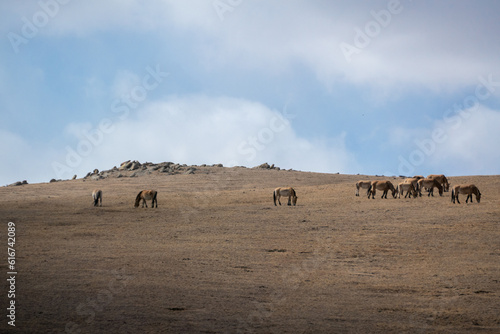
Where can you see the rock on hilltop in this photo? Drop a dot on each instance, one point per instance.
(133, 168)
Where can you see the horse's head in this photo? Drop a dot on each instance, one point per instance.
(137, 199)
(478, 196)
(294, 200)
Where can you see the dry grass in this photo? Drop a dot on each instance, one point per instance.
(218, 257)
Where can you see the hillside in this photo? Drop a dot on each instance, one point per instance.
(217, 256)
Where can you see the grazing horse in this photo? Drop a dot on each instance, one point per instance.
(146, 195)
(385, 186)
(429, 184)
(97, 196)
(441, 179)
(409, 188)
(414, 181)
(468, 189)
(290, 192)
(363, 185)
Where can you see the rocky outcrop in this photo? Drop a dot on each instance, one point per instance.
(18, 183)
(134, 168)
(266, 166)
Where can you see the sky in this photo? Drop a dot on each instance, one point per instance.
(394, 87)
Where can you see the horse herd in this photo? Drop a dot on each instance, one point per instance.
(409, 187)
(413, 186)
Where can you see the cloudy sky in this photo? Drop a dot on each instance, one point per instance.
(374, 87)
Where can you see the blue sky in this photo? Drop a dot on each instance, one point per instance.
(373, 87)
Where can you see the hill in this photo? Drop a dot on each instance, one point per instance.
(217, 256)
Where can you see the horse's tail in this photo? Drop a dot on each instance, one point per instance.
(274, 197)
(155, 201)
(453, 195)
(369, 191)
(138, 199)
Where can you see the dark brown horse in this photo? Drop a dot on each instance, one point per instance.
(146, 195)
(441, 179)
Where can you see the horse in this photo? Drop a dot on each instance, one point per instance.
(429, 184)
(385, 186)
(468, 189)
(290, 192)
(413, 181)
(441, 179)
(97, 196)
(409, 188)
(363, 185)
(146, 195)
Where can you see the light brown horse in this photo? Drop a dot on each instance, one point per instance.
(414, 181)
(409, 188)
(467, 189)
(146, 195)
(285, 192)
(441, 179)
(429, 184)
(385, 186)
(363, 185)
(97, 196)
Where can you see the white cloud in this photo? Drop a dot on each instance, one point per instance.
(462, 143)
(200, 129)
(23, 161)
(445, 45)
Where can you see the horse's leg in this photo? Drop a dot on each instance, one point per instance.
(289, 200)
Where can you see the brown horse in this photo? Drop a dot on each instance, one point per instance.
(441, 179)
(290, 192)
(97, 196)
(429, 184)
(146, 195)
(385, 186)
(467, 189)
(363, 185)
(409, 188)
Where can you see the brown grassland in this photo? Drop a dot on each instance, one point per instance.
(217, 256)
